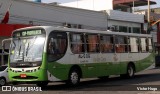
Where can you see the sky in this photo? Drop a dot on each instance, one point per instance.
(60, 1)
(152, 6)
(66, 1)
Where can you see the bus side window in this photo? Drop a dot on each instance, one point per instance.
(52, 49)
(57, 45)
(143, 44)
(133, 44)
(147, 44)
(77, 43)
(120, 44)
(92, 42)
(150, 45)
(106, 44)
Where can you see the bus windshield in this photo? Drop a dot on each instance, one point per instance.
(26, 50)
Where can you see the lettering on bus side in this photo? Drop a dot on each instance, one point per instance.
(84, 56)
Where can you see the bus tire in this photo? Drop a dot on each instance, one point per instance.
(74, 77)
(2, 81)
(42, 83)
(130, 72)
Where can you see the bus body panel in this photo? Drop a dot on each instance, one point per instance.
(91, 64)
(33, 74)
(61, 70)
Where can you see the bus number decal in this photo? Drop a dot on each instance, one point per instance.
(84, 56)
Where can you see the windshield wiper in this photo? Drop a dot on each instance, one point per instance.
(14, 44)
(18, 46)
(19, 49)
(27, 49)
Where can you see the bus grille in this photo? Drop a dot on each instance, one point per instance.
(28, 77)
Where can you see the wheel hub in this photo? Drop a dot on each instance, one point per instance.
(130, 71)
(74, 77)
(2, 82)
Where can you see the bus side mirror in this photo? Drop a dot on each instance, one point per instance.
(4, 42)
(3, 51)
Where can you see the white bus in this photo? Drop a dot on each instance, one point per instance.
(45, 53)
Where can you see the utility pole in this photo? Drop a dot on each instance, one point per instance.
(133, 7)
(77, 3)
(148, 19)
(148, 13)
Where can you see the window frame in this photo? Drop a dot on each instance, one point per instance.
(2, 68)
(83, 43)
(134, 29)
(97, 44)
(123, 29)
(48, 40)
(129, 45)
(124, 45)
(148, 46)
(111, 42)
(146, 51)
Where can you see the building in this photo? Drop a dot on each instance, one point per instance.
(113, 15)
(128, 5)
(154, 22)
(25, 12)
(99, 5)
(120, 13)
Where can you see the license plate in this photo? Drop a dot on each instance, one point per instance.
(23, 75)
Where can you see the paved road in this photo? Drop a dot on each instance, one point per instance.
(145, 82)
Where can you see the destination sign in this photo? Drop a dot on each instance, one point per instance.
(26, 33)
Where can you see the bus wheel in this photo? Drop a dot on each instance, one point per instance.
(130, 71)
(74, 77)
(2, 81)
(42, 83)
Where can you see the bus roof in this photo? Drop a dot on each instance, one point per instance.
(48, 29)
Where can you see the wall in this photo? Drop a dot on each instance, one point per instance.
(97, 5)
(43, 14)
(123, 23)
(125, 16)
(23, 12)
